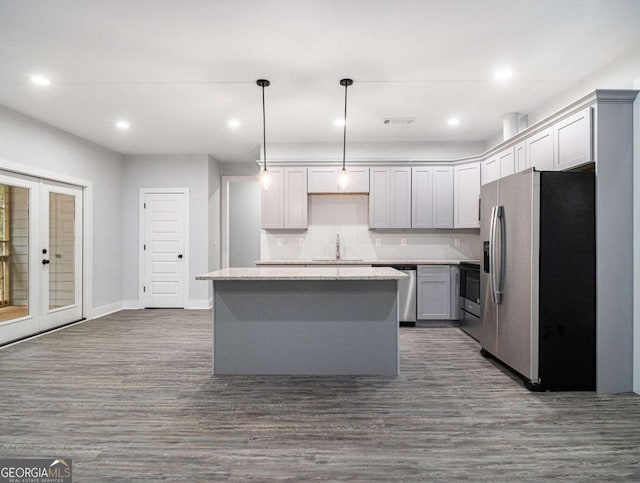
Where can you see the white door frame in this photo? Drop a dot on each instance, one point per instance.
(224, 222)
(87, 222)
(187, 258)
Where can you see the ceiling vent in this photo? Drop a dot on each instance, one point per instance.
(399, 120)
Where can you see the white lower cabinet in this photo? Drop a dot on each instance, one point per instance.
(434, 292)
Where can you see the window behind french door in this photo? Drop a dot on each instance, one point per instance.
(40, 255)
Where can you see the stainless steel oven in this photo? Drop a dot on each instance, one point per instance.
(469, 300)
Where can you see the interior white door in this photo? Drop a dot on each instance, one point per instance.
(60, 254)
(164, 249)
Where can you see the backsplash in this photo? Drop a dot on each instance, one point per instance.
(347, 216)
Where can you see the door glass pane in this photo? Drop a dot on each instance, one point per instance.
(61, 250)
(14, 252)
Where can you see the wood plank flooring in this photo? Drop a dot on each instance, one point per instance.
(130, 397)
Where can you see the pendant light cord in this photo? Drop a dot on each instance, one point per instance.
(344, 137)
(264, 132)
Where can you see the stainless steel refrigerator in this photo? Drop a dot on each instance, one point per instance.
(537, 281)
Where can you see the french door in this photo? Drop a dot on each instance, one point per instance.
(40, 255)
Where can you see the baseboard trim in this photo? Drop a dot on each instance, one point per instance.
(200, 304)
(97, 312)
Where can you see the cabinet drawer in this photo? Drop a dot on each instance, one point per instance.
(433, 270)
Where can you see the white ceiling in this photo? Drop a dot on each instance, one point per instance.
(179, 70)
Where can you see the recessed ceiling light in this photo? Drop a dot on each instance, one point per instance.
(503, 74)
(454, 121)
(123, 125)
(233, 123)
(40, 80)
(339, 122)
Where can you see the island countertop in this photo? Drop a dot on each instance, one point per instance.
(305, 273)
(360, 262)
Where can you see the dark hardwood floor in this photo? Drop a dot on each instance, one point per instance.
(130, 397)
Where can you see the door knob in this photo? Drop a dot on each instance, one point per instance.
(180, 256)
(45, 262)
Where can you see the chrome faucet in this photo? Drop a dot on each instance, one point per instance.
(338, 246)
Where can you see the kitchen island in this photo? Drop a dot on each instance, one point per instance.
(311, 321)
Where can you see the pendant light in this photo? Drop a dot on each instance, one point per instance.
(344, 176)
(265, 175)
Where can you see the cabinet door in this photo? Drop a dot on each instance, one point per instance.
(358, 180)
(400, 197)
(273, 201)
(422, 197)
(520, 153)
(490, 170)
(574, 140)
(466, 200)
(540, 150)
(506, 162)
(295, 198)
(434, 292)
(379, 198)
(322, 180)
(443, 197)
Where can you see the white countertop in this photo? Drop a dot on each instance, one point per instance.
(304, 273)
(361, 262)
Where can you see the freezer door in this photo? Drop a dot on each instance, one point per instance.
(518, 262)
(488, 315)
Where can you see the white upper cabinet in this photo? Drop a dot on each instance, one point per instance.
(540, 150)
(574, 141)
(443, 197)
(358, 180)
(490, 169)
(326, 180)
(295, 198)
(432, 197)
(466, 200)
(422, 197)
(400, 197)
(390, 198)
(506, 162)
(323, 180)
(273, 201)
(520, 153)
(284, 203)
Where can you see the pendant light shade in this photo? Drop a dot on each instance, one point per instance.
(344, 175)
(265, 175)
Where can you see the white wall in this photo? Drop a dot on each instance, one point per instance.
(36, 145)
(171, 171)
(347, 215)
(215, 188)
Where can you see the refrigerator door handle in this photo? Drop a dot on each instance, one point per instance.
(500, 223)
(492, 254)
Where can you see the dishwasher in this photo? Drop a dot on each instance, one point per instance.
(407, 292)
